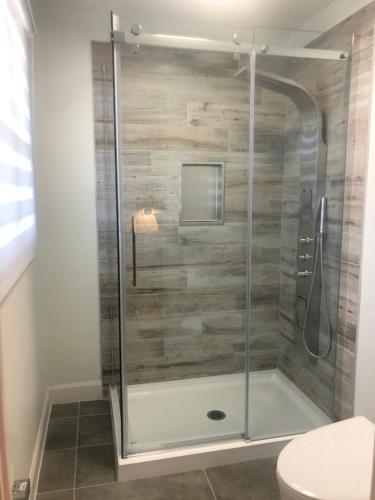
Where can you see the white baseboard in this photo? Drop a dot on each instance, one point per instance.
(80, 391)
(63, 393)
(39, 445)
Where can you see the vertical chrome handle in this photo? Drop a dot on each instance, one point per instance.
(323, 203)
(134, 252)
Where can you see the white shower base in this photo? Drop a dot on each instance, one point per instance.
(166, 414)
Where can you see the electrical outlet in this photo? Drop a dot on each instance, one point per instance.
(21, 489)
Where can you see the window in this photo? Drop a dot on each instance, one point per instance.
(17, 214)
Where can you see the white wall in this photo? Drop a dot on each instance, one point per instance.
(24, 379)
(364, 403)
(66, 263)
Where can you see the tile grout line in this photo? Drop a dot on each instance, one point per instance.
(108, 483)
(52, 419)
(76, 454)
(95, 414)
(76, 448)
(209, 484)
(56, 450)
(94, 445)
(83, 415)
(53, 491)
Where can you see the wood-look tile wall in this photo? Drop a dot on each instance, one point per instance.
(344, 188)
(361, 25)
(186, 316)
(347, 140)
(270, 115)
(328, 82)
(106, 213)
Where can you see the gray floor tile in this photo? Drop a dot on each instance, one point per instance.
(96, 429)
(95, 465)
(64, 410)
(94, 407)
(57, 471)
(61, 434)
(254, 480)
(58, 495)
(187, 486)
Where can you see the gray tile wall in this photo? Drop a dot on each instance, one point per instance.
(270, 114)
(186, 317)
(328, 82)
(106, 212)
(361, 25)
(344, 188)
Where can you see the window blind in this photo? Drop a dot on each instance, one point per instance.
(17, 211)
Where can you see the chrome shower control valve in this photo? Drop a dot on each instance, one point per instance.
(306, 239)
(303, 274)
(304, 257)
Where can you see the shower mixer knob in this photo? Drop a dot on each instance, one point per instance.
(303, 274)
(306, 239)
(304, 257)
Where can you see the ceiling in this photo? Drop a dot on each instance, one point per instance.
(237, 14)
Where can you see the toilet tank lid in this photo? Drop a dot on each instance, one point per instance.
(333, 462)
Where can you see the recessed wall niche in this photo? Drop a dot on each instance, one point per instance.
(201, 193)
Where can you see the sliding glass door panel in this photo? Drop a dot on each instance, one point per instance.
(184, 209)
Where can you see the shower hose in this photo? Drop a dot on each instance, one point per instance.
(318, 256)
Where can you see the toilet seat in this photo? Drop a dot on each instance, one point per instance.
(333, 462)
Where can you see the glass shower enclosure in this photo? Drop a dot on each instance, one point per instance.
(221, 174)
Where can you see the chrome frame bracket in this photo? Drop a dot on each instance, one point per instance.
(118, 36)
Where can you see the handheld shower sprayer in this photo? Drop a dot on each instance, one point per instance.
(318, 257)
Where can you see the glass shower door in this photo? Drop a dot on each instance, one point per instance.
(220, 336)
(182, 190)
(300, 123)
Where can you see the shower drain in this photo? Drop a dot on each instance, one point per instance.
(216, 415)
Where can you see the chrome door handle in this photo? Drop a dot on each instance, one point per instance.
(134, 252)
(303, 274)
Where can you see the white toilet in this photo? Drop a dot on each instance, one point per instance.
(333, 462)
